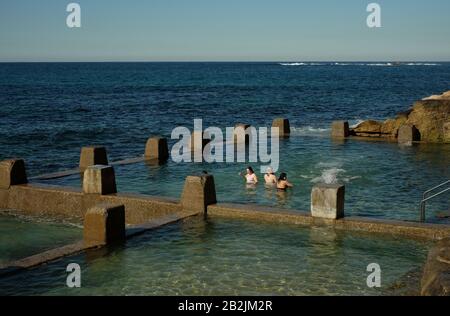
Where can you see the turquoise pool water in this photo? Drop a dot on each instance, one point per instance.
(382, 179)
(230, 257)
(22, 237)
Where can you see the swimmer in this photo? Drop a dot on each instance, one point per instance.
(250, 176)
(270, 177)
(283, 183)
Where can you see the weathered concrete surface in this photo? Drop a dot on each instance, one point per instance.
(40, 199)
(327, 201)
(43, 257)
(104, 224)
(157, 148)
(340, 129)
(12, 172)
(436, 274)
(242, 133)
(198, 193)
(94, 155)
(99, 179)
(413, 230)
(408, 134)
(283, 126)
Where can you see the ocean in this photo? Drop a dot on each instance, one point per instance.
(48, 111)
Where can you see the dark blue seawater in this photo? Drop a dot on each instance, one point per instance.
(48, 111)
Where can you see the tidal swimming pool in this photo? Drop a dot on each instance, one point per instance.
(382, 180)
(230, 257)
(24, 236)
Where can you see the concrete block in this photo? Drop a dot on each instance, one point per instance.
(408, 134)
(157, 149)
(104, 224)
(99, 179)
(283, 125)
(340, 129)
(242, 128)
(94, 155)
(12, 172)
(198, 193)
(327, 201)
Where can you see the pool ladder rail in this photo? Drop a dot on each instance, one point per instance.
(445, 187)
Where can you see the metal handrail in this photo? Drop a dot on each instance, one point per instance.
(425, 198)
(432, 189)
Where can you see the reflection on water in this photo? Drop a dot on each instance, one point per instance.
(230, 257)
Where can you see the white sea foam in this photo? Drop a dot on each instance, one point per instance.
(293, 64)
(380, 64)
(309, 130)
(354, 123)
(422, 64)
(332, 172)
(329, 176)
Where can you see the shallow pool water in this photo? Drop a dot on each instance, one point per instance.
(382, 179)
(230, 257)
(22, 237)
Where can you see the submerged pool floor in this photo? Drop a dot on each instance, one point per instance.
(230, 257)
(22, 237)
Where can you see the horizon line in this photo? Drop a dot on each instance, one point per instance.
(225, 61)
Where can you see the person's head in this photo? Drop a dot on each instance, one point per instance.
(250, 170)
(283, 177)
(269, 170)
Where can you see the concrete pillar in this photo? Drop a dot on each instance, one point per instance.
(157, 149)
(340, 129)
(198, 193)
(99, 179)
(327, 201)
(283, 125)
(241, 127)
(408, 134)
(94, 155)
(104, 224)
(12, 172)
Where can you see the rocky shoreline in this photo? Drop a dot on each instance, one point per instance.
(427, 121)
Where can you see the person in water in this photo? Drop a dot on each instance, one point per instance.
(283, 183)
(250, 176)
(270, 177)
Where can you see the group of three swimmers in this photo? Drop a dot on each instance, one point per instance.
(270, 178)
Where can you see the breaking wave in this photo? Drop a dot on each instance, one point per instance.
(309, 130)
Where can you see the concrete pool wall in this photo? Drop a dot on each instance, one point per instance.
(143, 212)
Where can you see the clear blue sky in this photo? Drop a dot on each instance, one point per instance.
(222, 30)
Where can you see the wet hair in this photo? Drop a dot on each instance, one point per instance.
(250, 169)
(283, 176)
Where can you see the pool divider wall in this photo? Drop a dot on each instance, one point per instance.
(283, 125)
(99, 179)
(408, 134)
(12, 172)
(242, 133)
(104, 224)
(198, 193)
(340, 129)
(157, 148)
(92, 155)
(327, 201)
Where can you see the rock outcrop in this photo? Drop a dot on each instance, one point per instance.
(431, 117)
(436, 273)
